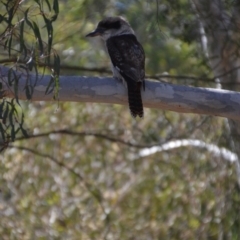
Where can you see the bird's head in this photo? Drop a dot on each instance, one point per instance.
(110, 27)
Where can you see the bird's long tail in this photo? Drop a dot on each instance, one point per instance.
(135, 98)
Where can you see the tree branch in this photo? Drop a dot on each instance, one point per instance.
(177, 98)
(84, 134)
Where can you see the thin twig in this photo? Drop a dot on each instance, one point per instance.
(83, 134)
(90, 187)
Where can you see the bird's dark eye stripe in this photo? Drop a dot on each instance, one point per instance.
(110, 25)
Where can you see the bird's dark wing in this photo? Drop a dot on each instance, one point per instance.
(127, 55)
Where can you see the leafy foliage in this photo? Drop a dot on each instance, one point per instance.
(23, 41)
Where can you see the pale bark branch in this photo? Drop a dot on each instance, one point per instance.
(214, 102)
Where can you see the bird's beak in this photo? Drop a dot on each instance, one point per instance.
(96, 32)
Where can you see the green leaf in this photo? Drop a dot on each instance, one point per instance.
(9, 45)
(5, 115)
(21, 40)
(49, 28)
(56, 64)
(56, 10)
(38, 36)
(54, 77)
(5, 44)
(29, 91)
(1, 109)
(56, 88)
(15, 87)
(2, 18)
(14, 110)
(50, 85)
(36, 31)
(13, 134)
(37, 1)
(48, 4)
(24, 132)
(26, 19)
(11, 116)
(2, 132)
(55, 7)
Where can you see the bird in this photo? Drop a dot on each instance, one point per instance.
(127, 57)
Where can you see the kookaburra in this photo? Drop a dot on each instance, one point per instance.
(127, 57)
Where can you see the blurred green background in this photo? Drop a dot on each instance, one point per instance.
(91, 181)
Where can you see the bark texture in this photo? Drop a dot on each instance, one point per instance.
(214, 102)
